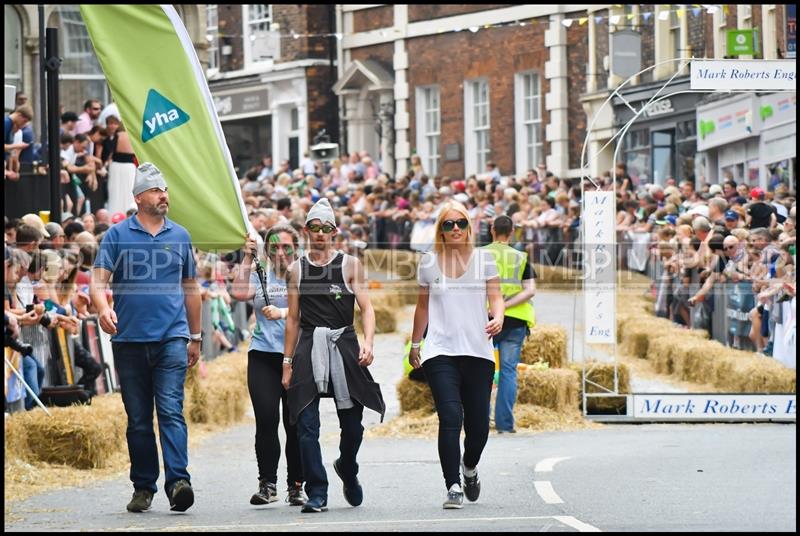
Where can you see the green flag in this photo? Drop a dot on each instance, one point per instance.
(162, 95)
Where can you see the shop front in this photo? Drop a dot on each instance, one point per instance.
(245, 115)
(778, 142)
(662, 142)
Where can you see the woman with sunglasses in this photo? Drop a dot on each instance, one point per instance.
(455, 282)
(265, 362)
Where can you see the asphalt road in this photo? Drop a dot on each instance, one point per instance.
(618, 478)
(670, 477)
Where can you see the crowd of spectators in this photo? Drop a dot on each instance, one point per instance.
(697, 240)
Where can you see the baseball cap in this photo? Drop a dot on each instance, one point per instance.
(757, 193)
(117, 217)
(672, 219)
(148, 176)
(35, 221)
(715, 189)
(731, 215)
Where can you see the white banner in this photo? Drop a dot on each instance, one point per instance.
(718, 407)
(748, 75)
(600, 267)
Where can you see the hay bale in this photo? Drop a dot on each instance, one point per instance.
(638, 332)
(546, 343)
(415, 396)
(221, 398)
(556, 389)
(557, 277)
(603, 375)
(385, 320)
(660, 352)
(84, 437)
(531, 417)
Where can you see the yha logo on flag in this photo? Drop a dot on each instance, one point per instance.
(160, 115)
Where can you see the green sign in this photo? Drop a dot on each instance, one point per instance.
(742, 42)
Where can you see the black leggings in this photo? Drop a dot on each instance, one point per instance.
(462, 388)
(264, 372)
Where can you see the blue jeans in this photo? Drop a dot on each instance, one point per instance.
(151, 371)
(510, 343)
(33, 372)
(311, 454)
(462, 388)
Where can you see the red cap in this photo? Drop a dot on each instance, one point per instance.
(459, 186)
(757, 193)
(117, 217)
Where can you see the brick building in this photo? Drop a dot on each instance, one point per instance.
(271, 69)
(461, 85)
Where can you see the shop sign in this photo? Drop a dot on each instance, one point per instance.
(748, 75)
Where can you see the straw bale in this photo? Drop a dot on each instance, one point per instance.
(415, 396)
(531, 417)
(416, 423)
(385, 320)
(557, 277)
(79, 436)
(660, 352)
(387, 298)
(220, 398)
(546, 343)
(638, 332)
(556, 389)
(603, 374)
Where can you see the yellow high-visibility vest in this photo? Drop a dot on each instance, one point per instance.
(510, 265)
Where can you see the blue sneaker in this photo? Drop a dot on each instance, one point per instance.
(315, 505)
(353, 494)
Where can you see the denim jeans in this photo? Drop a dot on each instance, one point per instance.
(33, 372)
(311, 454)
(510, 343)
(148, 372)
(462, 388)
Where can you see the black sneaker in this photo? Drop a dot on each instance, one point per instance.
(296, 497)
(141, 501)
(315, 505)
(472, 485)
(354, 493)
(455, 498)
(267, 493)
(182, 496)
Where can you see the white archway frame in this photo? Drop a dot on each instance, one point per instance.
(619, 136)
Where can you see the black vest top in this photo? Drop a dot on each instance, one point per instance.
(325, 300)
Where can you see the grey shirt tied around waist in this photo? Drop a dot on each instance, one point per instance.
(326, 360)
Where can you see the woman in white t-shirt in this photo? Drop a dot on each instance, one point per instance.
(455, 282)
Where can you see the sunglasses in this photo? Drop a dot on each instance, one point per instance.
(273, 249)
(729, 247)
(449, 225)
(327, 229)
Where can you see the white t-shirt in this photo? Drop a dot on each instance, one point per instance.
(457, 314)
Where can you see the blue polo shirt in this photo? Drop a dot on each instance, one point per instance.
(147, 274)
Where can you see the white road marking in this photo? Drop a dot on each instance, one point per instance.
(576, 524)
(545, 490)
(546, 465)
(261, 526)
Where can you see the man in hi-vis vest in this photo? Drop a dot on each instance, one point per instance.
(518, 286)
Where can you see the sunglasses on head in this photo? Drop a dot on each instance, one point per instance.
(327, 229)
(449, 225)
(274, 248)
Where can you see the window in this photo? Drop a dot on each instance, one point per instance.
(428, 128)
(258, 19)
(13, 48)
(476, 126)
(675, 33)
(528, 116)
(637, 156)
(81, 76)
(212, 34)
